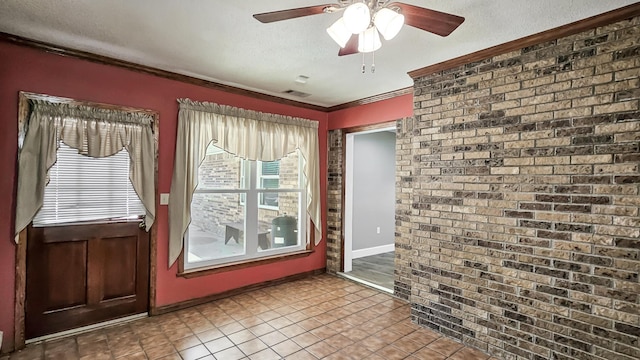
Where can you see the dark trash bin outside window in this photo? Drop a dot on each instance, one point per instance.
(284, 231)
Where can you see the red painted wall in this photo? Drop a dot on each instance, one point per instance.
(373, 113)
(26, 69)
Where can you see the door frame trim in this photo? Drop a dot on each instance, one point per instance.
(348, 186)
(345, 132)
(19, 340)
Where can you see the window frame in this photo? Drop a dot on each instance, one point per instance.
(251, 190)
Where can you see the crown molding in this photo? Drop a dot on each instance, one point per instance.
(552, 34)
(105, 60)
(372, 99)
(84, 55)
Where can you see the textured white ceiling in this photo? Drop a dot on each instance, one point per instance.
(220, 41)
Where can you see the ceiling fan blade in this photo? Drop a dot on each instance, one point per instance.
(429, 20)
(292, 13)
(351, 47)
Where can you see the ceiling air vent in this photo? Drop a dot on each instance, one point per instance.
(296, 93)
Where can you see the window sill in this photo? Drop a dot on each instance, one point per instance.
(193, 273)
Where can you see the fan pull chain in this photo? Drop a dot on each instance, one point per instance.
(373, 62)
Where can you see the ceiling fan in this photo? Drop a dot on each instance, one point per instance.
(362, 23)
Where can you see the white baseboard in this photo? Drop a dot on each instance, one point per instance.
(365, 282)
(372, 251)
(87, 328)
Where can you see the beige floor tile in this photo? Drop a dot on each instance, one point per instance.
(408, 345)
(173, 356)
(241, 336)
(468, 354)
(266, 354)
(231, 328)
(339, 356)
(122, 350)
(321, 349)
(310, 324)
(320, 318)
(323, 332)
(209, 335)
(95, 347)
(373, 343)
(301, 355)
(219, 344)
(232, 353)
(194, 353)
(261, 329)
(272, 338)
(62, 356)
(306, 339)
(357, 351)
(428, 354)
(339, 341)
(292, 330)
(445, 346)
(160, 351)
(391, 352)
(187, 342)
(252, 346)
(178, 333)
(286, 348)
(250, 321)
(106, 355)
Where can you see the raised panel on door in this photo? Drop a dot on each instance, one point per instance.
(84, 274)
(66, 275)
(118, 260)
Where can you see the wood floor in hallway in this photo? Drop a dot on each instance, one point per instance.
(376, 269)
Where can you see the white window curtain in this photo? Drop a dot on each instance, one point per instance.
(248, 134)
(94, 132)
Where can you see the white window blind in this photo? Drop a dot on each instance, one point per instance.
(83, 188)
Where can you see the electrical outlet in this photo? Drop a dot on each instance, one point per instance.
(378, 230)
(164, 199)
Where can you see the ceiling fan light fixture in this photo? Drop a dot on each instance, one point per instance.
(369, 40)
(388, 22)
(339, 32)
(357, 17)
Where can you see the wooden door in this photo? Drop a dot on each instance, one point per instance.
(84, 274)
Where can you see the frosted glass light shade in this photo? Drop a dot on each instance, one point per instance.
(388, 22)
(369, 40)
(357, 17)
(339, 32)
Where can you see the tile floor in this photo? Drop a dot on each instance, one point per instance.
(322, 317)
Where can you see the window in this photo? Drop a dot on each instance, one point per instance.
(268, 178)
(82, 188)
(244, 210)
(246, 134)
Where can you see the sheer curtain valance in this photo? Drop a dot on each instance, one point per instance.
(248, 134)
(94, 132)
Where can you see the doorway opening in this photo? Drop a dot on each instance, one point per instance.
(369, 207)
